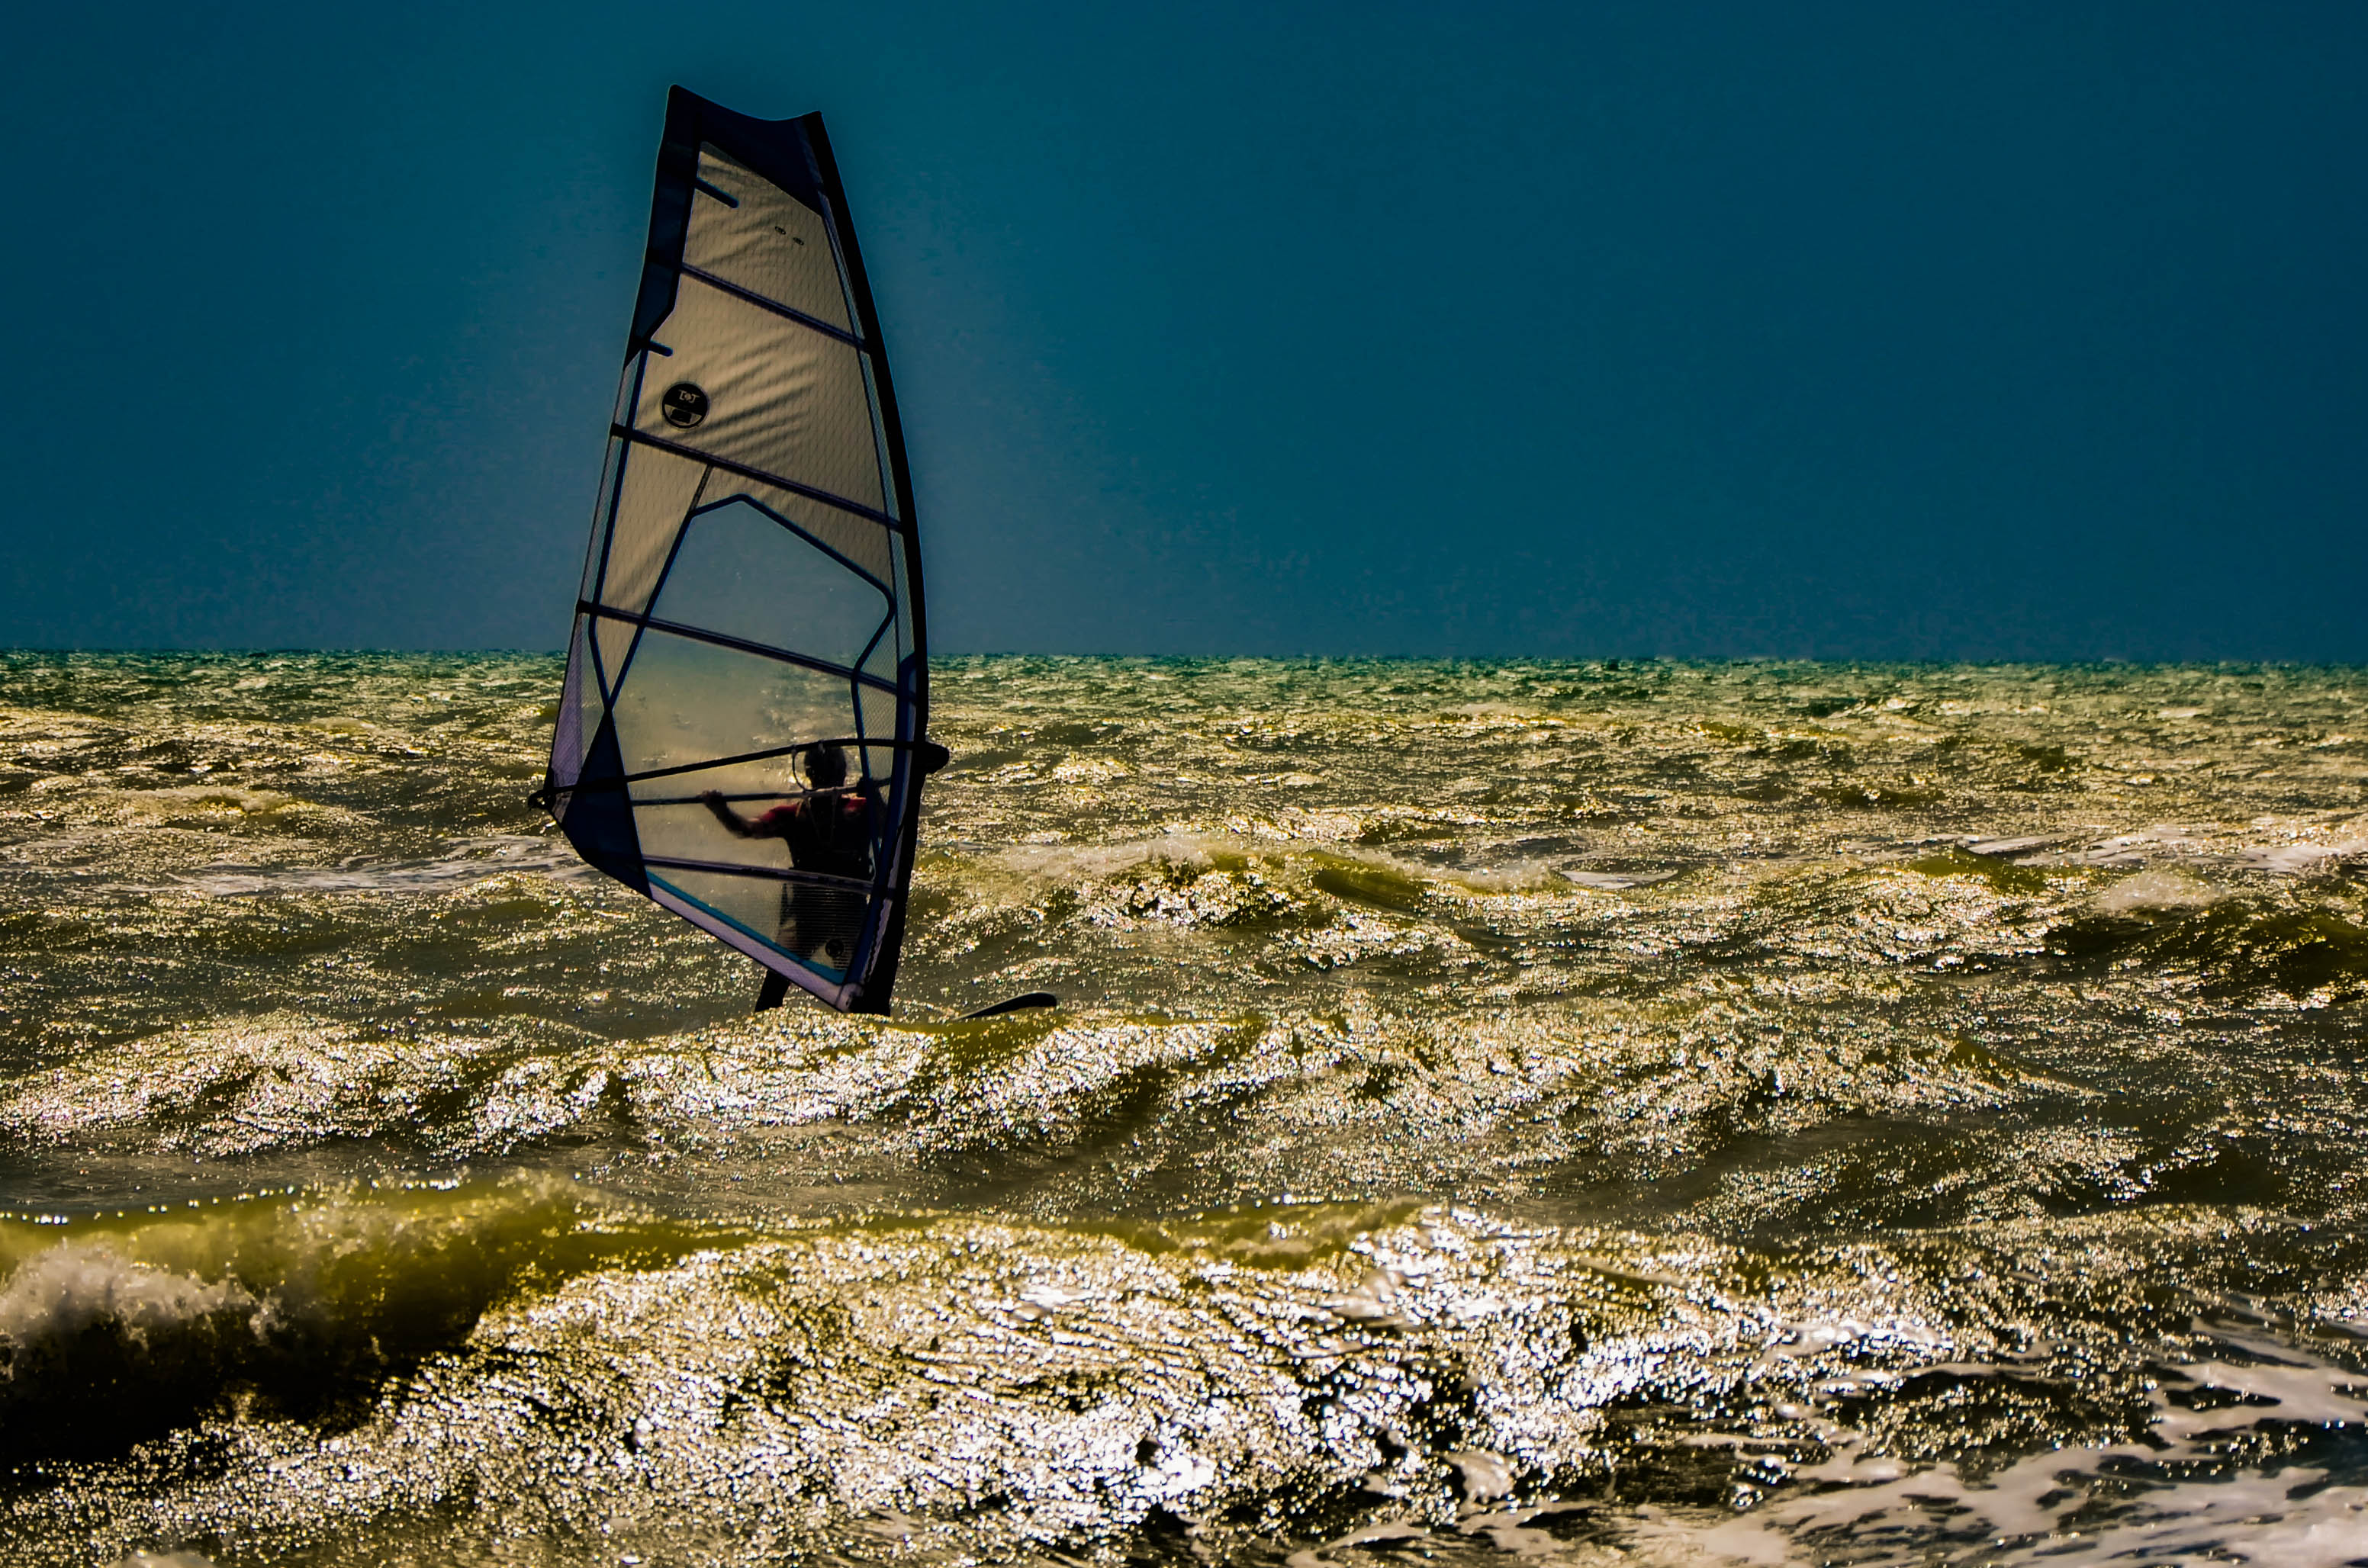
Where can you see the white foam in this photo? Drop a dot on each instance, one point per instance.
(77, 1285)
(2134, 849)
(471, 861)
(2158, 889)
(1483, 1474)
(2300, 860)
(1508, 1530)
(1069, 863)
(1618, 882)
(2038, 1510)
(1375, 1303)
(2007, 849)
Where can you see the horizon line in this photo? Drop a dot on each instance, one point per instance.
(1609, 661)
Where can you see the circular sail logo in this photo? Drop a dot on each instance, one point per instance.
(683, 404)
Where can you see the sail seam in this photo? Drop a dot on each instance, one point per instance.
(873, 743)
(876, 742)
(725, 640)
(730, 932)
(746, 471)
(779, 521)
(765, 873)
(786, 312)
(680, 529)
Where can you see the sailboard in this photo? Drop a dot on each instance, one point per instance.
(742, 736)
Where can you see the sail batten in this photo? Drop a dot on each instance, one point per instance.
(775, 306)
(724, 640)
(743, 471)
(750, 619)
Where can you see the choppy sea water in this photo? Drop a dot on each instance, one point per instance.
(1550, 1112)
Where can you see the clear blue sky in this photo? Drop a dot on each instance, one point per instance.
(1846, 330)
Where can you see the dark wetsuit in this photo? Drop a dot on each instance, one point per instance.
(830, 834)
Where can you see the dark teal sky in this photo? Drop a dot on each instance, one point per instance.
(1851, 331)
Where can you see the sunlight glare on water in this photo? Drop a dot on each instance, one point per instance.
(1739, 1113)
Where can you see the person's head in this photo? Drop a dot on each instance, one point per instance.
(826, 767)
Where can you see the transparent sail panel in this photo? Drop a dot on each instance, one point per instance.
(679, 826)
(867, 545)
(771, 393)
(771, 244)
(882, 663)
(685, 701)
(903, 593)
(579, 709)
(879, 710)
(820, 927)
(747, 575)
(613, 642)
(832, 835)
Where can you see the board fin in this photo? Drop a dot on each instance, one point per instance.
(1013, 1005)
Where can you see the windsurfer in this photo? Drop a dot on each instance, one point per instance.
(828, 830)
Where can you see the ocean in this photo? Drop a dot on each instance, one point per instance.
(1561, 1113)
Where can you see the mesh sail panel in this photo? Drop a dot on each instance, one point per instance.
(742, 732)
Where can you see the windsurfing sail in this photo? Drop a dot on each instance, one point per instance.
(743, 732)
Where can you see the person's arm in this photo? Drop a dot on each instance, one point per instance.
(739, 826)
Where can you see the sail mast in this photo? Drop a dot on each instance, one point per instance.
(742, 734)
